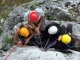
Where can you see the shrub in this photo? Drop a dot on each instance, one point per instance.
(6, 42)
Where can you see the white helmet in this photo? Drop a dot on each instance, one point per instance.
(52, 30)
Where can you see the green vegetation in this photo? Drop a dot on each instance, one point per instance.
(6, 42)
(34, 6)
(50, 17)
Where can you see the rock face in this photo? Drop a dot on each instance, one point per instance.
(34, 53)
(13, 18)
(62, 11)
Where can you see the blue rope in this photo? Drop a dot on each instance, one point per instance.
(47, 42)
(34, 43)
(69, 46)
(51, 44)
(40, 40)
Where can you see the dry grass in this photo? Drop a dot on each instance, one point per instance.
(8, 5)
(12, 2)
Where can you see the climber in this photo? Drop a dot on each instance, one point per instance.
(51, 32)
(35, 18)
(23, 35)
(64, 40)
(66, 37)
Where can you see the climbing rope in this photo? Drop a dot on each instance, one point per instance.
(47, 42)
(53, 43)
(13, 49)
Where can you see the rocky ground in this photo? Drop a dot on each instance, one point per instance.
(34, 53)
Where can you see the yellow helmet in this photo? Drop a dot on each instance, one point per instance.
(24, 31)
(66, 38)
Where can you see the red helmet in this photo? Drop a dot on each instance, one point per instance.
(34, 16)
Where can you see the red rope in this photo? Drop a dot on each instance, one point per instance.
(14, 48)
